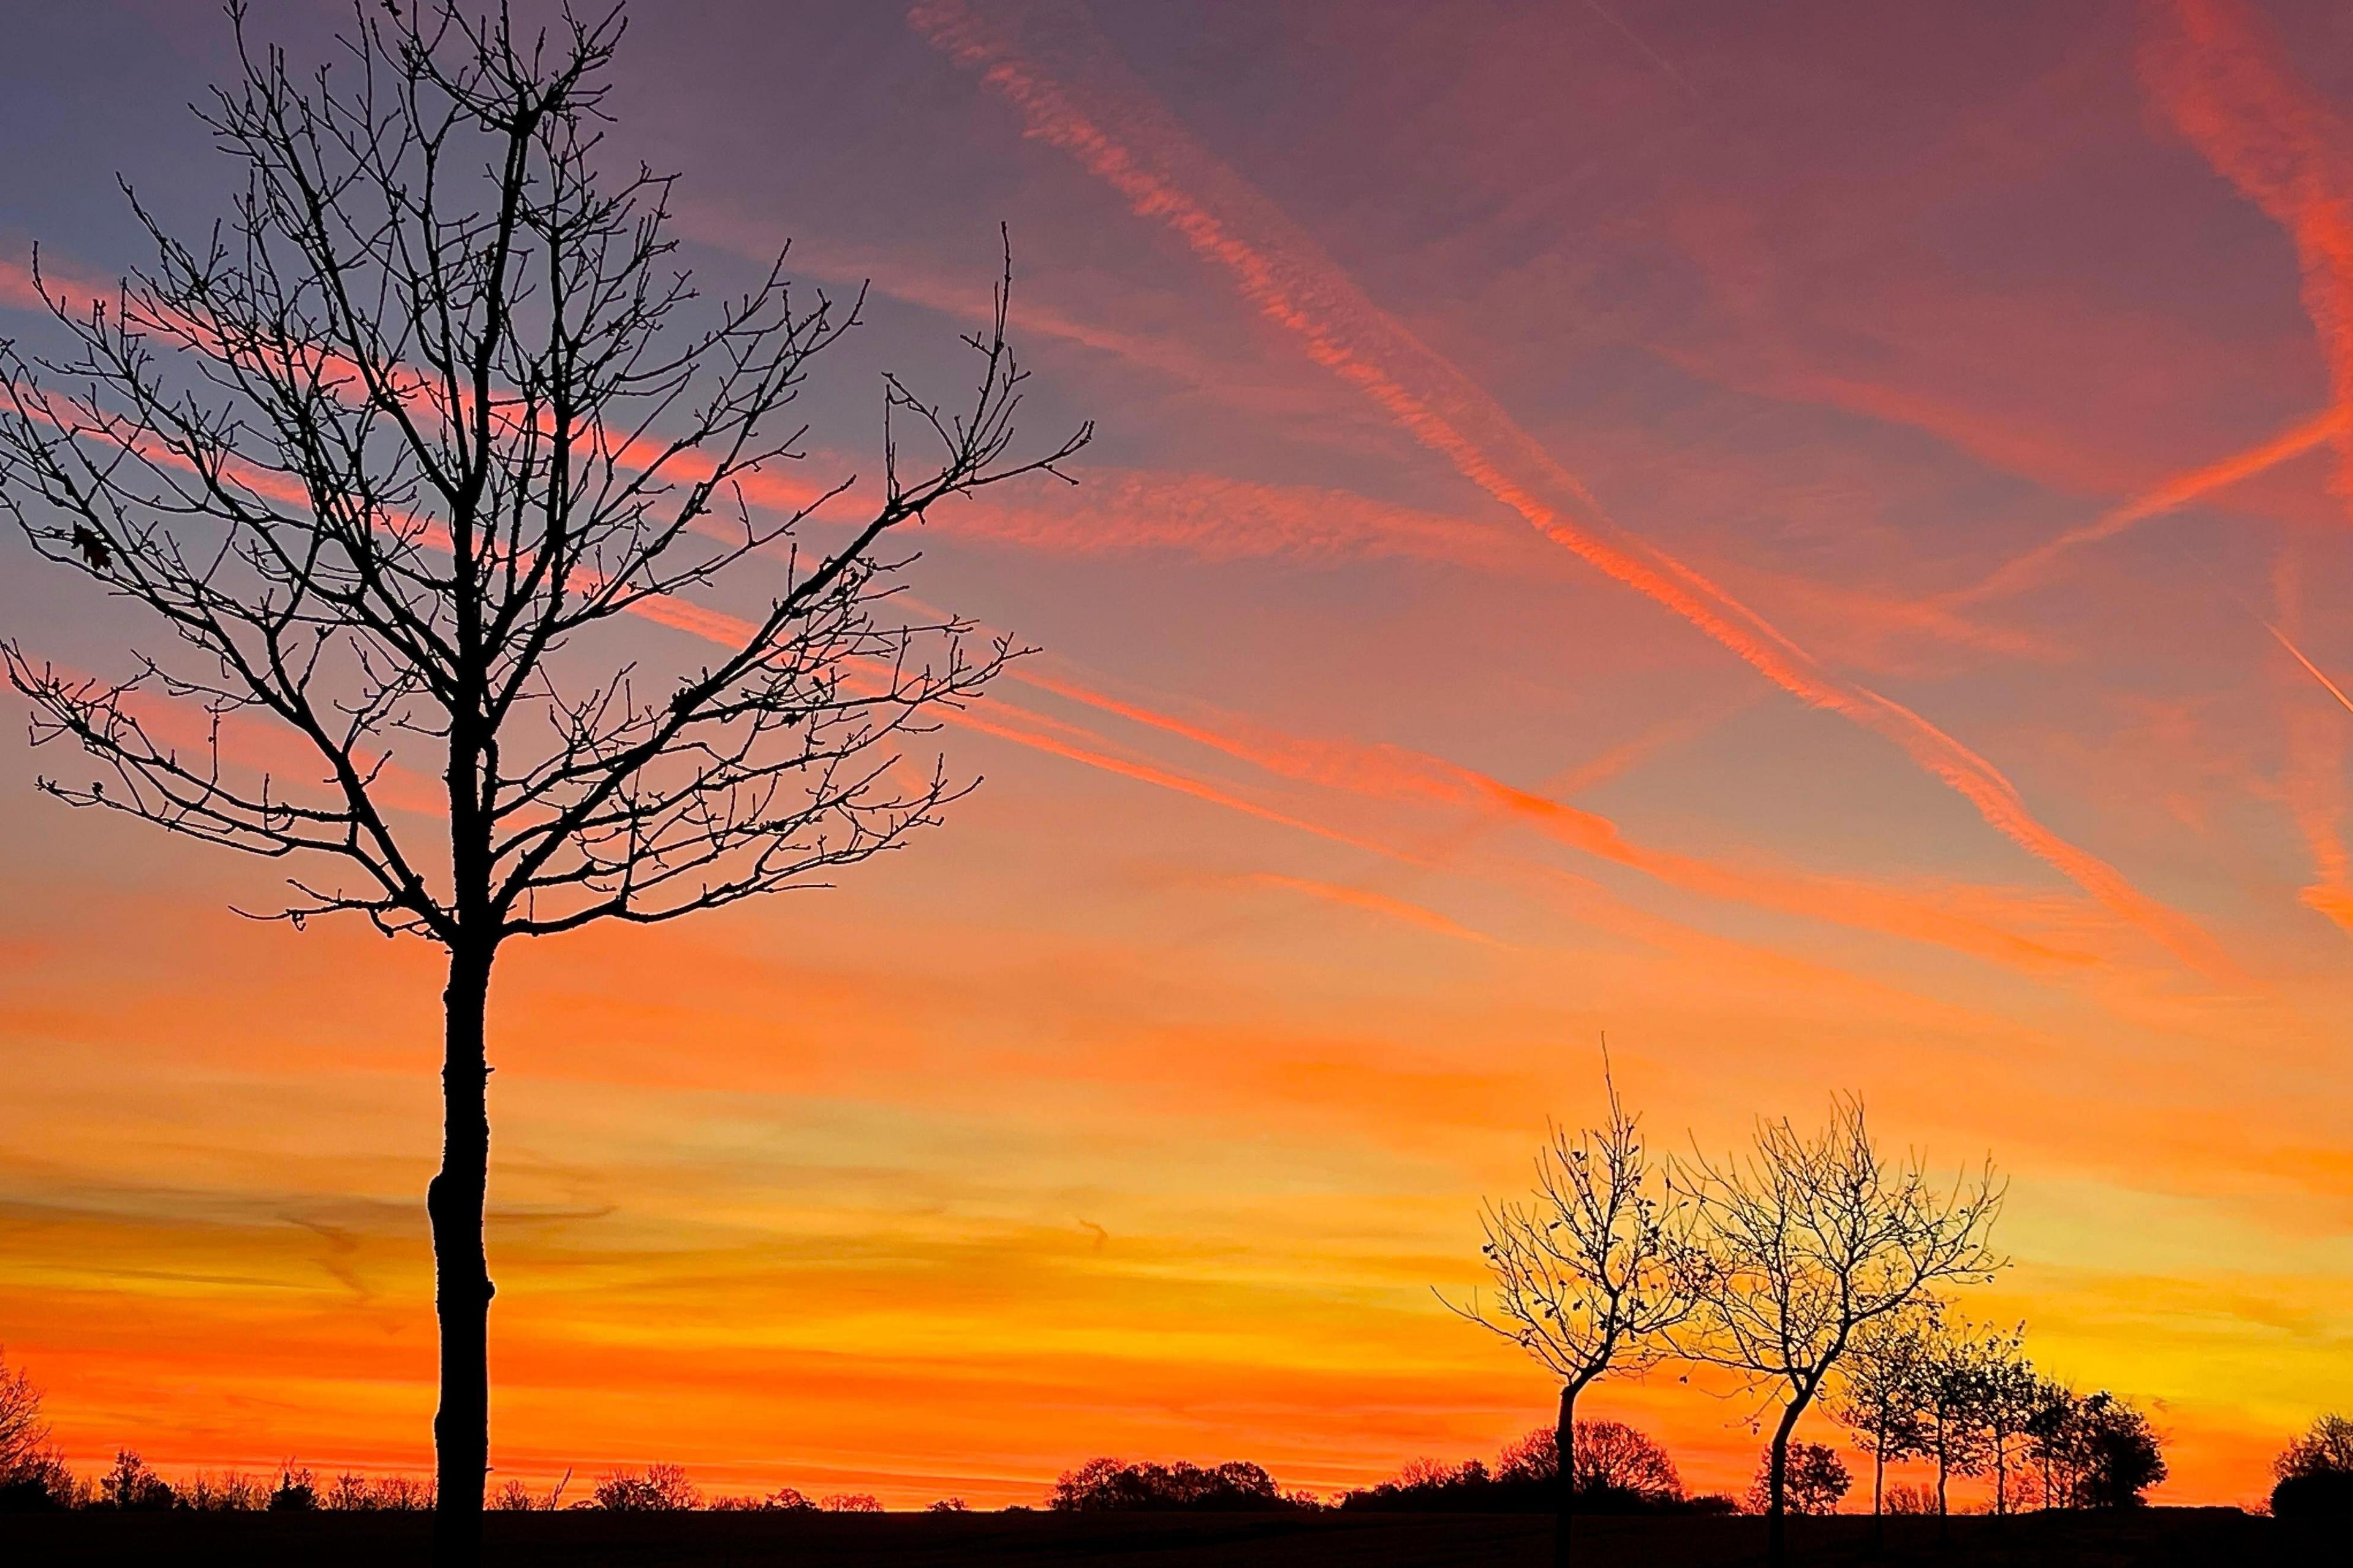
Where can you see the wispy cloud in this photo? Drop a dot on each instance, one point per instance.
(2224, 79)
(1402, 911)
(1108, 121)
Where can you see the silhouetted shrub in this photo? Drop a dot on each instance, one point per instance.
(41, 1481)
(230, 1492)
(23, 1433)
(2321, 1494)
(297, 1491)
(656, 1488)
(2325, 1450)
(784, 1499)
(2315, 1473)
(131, 1485)
(851, 1502)
(2117, 1453)
(1815, 1480)
(1614, 1462)
(1619, 1470)
(1108, 1484)
(25, 1494)
(385, 1494)
(948, 1505)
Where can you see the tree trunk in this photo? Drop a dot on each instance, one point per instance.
(462, 1290)
(1879, 1487)
(1565, 1494)
(1778, 1486)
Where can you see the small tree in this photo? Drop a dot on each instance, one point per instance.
(1816, 1481)
(2009, 1394)
(1953, 1428)
(394, 455)
(23, 1432)
(2327, 1449)
(1881, 1388)
(1613, 1459)
(517, 1497)
(297, 1490)
(656, 1488)
(2050, 1434)
(2119, 1457)
(2314, 1474)
(1809, 1239)
(129, 1485)
(1589, 1274)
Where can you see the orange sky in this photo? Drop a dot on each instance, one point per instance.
(1812, 542)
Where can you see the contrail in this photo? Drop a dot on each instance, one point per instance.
(2226, 82)
(2334, 690)
(1123, 137)
(1371, 903)
(1381, 772)
(1398, 773)
(1401, 775)
(2027, 570)
(1649, 53)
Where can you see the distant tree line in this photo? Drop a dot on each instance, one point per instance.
(1110, 1484)
(1617, 1469)
(36, 1477)
(1925, 1387)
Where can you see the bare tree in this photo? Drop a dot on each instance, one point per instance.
(2324, 1449)
(1589, 1272)
(1807, 1240)
(395, 454)
(23, 1432)
(1611, 1457)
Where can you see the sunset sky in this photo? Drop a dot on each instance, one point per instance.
(1812, 539)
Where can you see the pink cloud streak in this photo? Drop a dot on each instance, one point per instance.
(1122, 137)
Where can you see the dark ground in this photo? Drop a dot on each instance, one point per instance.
(2155, 1537)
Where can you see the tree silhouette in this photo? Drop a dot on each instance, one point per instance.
(1108, 1484)
(1589, 1272)
(1815, 1479)
(2009, 1394)
(1955, 1435)
(2315, 1473)
(656, 1488)
(1880, 1391)
(393, 455)
(1807, 1240)
(2324, 1449)
(2117, 1454)
(130, 1485)
(23, 1432)
(1614, 1461)
(2050, 1425)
